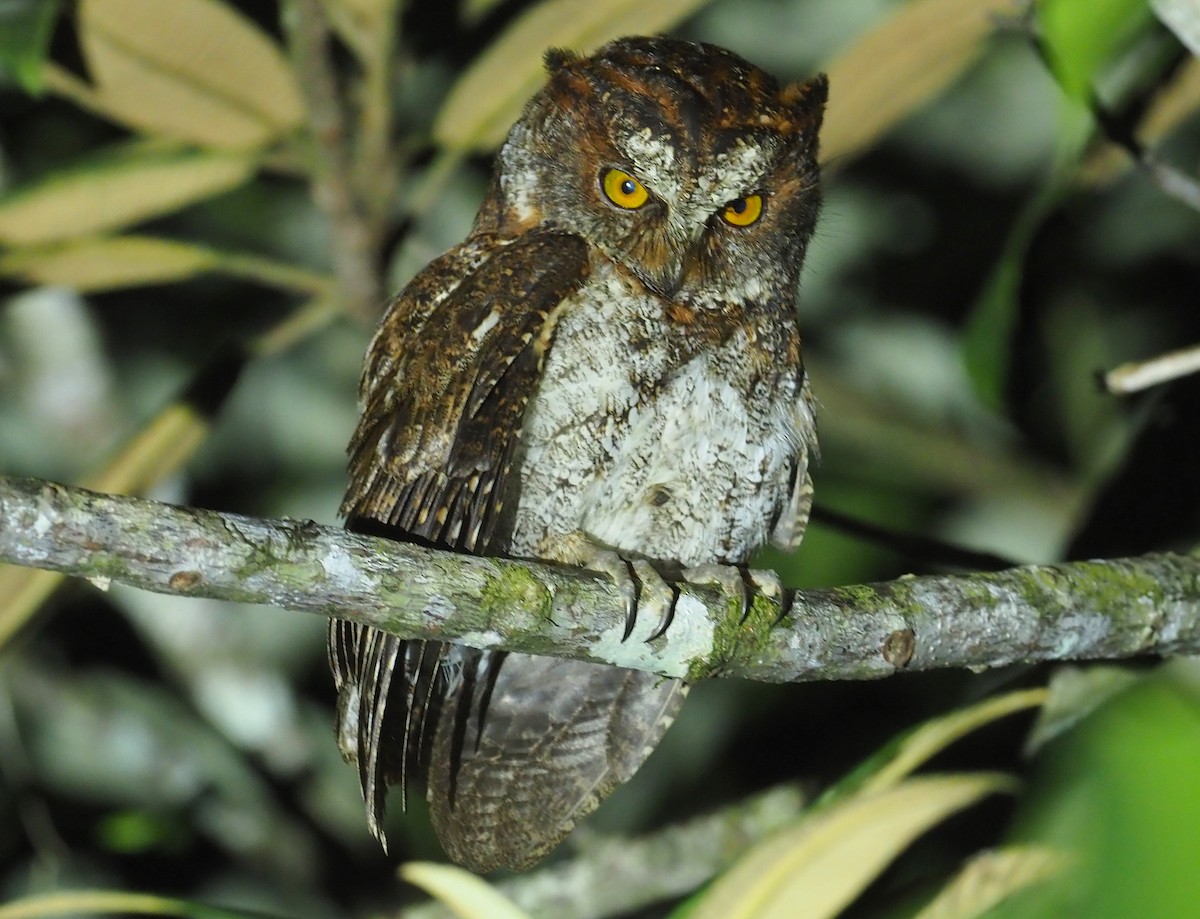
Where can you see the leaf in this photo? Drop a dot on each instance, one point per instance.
(899, 65)
(990, 878)
(913, 748)
(193, 70)
(829, 858)
(1183, 18)
(104, 263)
(1080, 36)
(120, 188)
(488, 98)
(25, 30)
(76, 903)
(1074, 693)
(465, 894)
(992, 322)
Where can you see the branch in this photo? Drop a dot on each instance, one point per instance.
(672, 862)
(1081, 610)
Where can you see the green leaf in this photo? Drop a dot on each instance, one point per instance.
(122, 187)
(1081, 36)
(192, 70)
(25, 30)
(827, 859)
(468, 896)
(488, 98)
(105, 263)
(988, 336)
(1121, 791)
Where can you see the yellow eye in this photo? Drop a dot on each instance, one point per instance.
(624, 190)
(741, 212)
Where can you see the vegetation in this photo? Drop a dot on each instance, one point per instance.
(203, 205)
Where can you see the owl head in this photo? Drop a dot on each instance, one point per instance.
(684, 164)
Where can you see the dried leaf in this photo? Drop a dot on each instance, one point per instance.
(119, 189)
(829, 858)
(899, 65)
(488, 98)
(194, 70)
(107, 262)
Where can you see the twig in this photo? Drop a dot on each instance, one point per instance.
(1082, 610)
(652, 868)
(1138, 375)
(353, 243)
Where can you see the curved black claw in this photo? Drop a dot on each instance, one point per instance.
(786, 600)
(746, 580)
(668, 614)
(631, 600)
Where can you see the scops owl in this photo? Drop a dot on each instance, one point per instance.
(607, 369)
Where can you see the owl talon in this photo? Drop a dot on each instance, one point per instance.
(732, 580)
(655, 594)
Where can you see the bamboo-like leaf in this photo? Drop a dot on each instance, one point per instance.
(826, 860)
(488, 98)
(194, 70)
(468, 896)
(25, 30)
(990, 878)
(912, 749)
(121, 188)
(103, 263)
(1081, 36)
(112, 902)
(900, 64)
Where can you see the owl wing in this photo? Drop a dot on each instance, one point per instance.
(558, 737)
(444, 390)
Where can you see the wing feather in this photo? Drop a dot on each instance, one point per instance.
(443, 393)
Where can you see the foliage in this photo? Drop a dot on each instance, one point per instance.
(177, 179)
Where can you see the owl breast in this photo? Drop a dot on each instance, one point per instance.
(658, 429)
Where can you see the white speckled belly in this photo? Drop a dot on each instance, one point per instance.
(644, 453)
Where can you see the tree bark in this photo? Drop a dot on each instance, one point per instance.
(1079, 610)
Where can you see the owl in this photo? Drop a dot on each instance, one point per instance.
(606, 372)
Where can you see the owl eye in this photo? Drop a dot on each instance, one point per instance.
(623, 190)
(741, 212)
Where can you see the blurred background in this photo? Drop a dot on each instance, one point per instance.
(983, 254)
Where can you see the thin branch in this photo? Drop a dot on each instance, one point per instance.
(353, 244)
(669, 863)
(1138, 375)
(1081, 610)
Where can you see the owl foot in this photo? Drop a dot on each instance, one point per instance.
(732, 580)
(642, 588)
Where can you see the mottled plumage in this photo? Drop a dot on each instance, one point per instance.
(609, 363)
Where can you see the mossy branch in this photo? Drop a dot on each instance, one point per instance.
(1080, 610)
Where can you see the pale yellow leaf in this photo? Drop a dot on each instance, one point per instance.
(467, 896)
(990, 878)
(115, 191)
(103, 263)
(930, 738)
(900, 64)
(489, 97)
(194, 70)
(826, 860)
